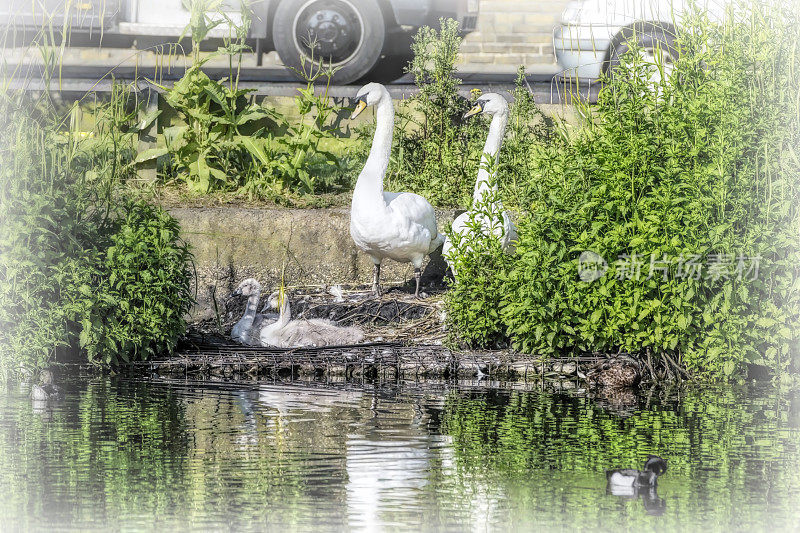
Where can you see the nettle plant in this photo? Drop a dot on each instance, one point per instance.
(435, 153)
(227, 140)
(479, 264)
(698, 178)
(142, 288)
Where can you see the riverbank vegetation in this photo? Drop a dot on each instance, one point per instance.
(85, 270)
(229, 146)
(666, 225)
(226, 141)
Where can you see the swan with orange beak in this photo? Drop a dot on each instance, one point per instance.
(485, 194)
(394, 225)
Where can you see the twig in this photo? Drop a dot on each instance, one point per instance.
(673, 363)
(649, 364)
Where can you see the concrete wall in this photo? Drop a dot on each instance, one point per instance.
(513, 32)
(310, 247)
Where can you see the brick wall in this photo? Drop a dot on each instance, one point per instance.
(513, 32)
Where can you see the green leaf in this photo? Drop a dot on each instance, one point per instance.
(729, 367)
(252, 114)
(255, 149)
(765, 322)
(148, 119)
(218, 94)
(202, 174)
(150, 154)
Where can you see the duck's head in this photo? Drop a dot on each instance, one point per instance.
(247, 287)
(46, 377)
(655, 464)
(489, 104)
(369, 95)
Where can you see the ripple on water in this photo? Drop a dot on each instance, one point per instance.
(125, 453)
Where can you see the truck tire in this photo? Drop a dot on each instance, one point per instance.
(349, 34)
(652, 41)
(388, 69)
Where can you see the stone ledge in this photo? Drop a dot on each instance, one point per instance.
(305, 246)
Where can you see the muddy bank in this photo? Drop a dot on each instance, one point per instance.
(305, 247)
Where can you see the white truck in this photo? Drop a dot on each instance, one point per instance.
(363, 38)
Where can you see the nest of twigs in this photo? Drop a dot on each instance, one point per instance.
(396, 316)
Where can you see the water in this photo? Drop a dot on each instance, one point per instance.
(126, 454)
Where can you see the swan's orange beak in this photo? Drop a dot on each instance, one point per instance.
(359, 108)
(474, 111)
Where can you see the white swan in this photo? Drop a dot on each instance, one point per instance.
(288, 333)
(495, 105)
(246, 329)
(399, 226)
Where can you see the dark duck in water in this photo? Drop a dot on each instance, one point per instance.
(618, 372)
(630, 478)
(46, 389)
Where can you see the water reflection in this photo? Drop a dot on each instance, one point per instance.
(653, 504)
(121, 453)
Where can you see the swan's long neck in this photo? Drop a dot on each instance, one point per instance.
(251, 309)
(369, 186)
(491, 149)
(285, 313)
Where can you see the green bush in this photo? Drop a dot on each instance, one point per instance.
(45, 225)
(79, 266)
(700, 169)
(142, 288)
